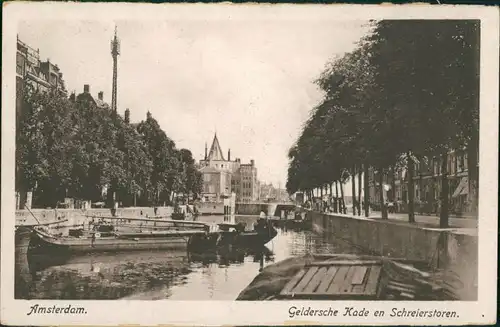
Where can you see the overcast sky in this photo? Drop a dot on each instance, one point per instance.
(251, 81)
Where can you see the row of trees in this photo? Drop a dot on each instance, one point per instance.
(409, 91)
(71, 147)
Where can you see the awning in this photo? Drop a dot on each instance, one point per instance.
(462, 188)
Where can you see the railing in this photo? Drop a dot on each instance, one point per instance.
(176, 223)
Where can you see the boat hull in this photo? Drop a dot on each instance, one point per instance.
(41, 243)
(247, 239)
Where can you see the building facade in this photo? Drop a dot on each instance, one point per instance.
(249, 191)
(42, 76)
(222, 176)
(427, 184)
(38, 76)
(270, 193)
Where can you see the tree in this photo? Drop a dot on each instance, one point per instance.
(74, 148)
(423, 79)
(397, 97)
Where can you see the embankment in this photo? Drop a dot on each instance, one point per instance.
(451, 250)
(270, 209)
(255, 208)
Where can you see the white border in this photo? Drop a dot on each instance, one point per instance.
(483, 311)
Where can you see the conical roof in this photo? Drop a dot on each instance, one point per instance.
(215, 150)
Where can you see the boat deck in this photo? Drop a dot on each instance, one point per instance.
(335, 280)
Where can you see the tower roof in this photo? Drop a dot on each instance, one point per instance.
(215, 150)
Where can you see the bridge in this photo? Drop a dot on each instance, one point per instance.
(270, 209)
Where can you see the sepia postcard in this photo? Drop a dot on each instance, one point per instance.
(252, 164)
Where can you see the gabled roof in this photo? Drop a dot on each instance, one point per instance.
(215, 150)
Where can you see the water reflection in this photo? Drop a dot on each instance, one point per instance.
(176, 275)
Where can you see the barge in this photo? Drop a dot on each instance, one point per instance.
(352, 277)
(102, 236)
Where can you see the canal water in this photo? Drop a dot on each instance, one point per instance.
(176, 275)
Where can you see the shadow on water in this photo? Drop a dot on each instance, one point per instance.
(103, 276)
(151, 275)
(119, 275)
(227, 256)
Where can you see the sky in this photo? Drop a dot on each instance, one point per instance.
(250, 81)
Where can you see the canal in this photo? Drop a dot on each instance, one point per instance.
(176, 275)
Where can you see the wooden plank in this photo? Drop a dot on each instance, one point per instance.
(373, 279)
(323, 286)
(360, 288)
(366, 257)
(324, 296)
(399, 288)
(316, 280)
(291, 284)
(409, 286)
(347, 284)
(305, 280)
(345, 263)
(359, 275)
(338, 281)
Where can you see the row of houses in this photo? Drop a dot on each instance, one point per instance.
(427, 184)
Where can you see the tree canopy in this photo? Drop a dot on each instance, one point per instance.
(408, 90)
(74, 148)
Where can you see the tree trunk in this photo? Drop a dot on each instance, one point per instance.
(360, 170)
(336, 202)
(411, 189)
(473, 170)
(443, 215)
(366, 191)
(331, 194)
(383, 207)
(321, 201)
(353, 183)
(393, 183)
(342, 201)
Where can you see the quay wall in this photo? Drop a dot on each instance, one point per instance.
(255, 208)
(210, 208)
(455, 252)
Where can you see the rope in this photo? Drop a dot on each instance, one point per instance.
(38, 221)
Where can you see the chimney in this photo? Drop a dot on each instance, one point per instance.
(229, 155)
(252, 162)
(100, 95)
(127, 116)
(206, 155)
(86, 88)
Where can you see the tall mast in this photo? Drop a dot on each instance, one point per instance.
(115, 51)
